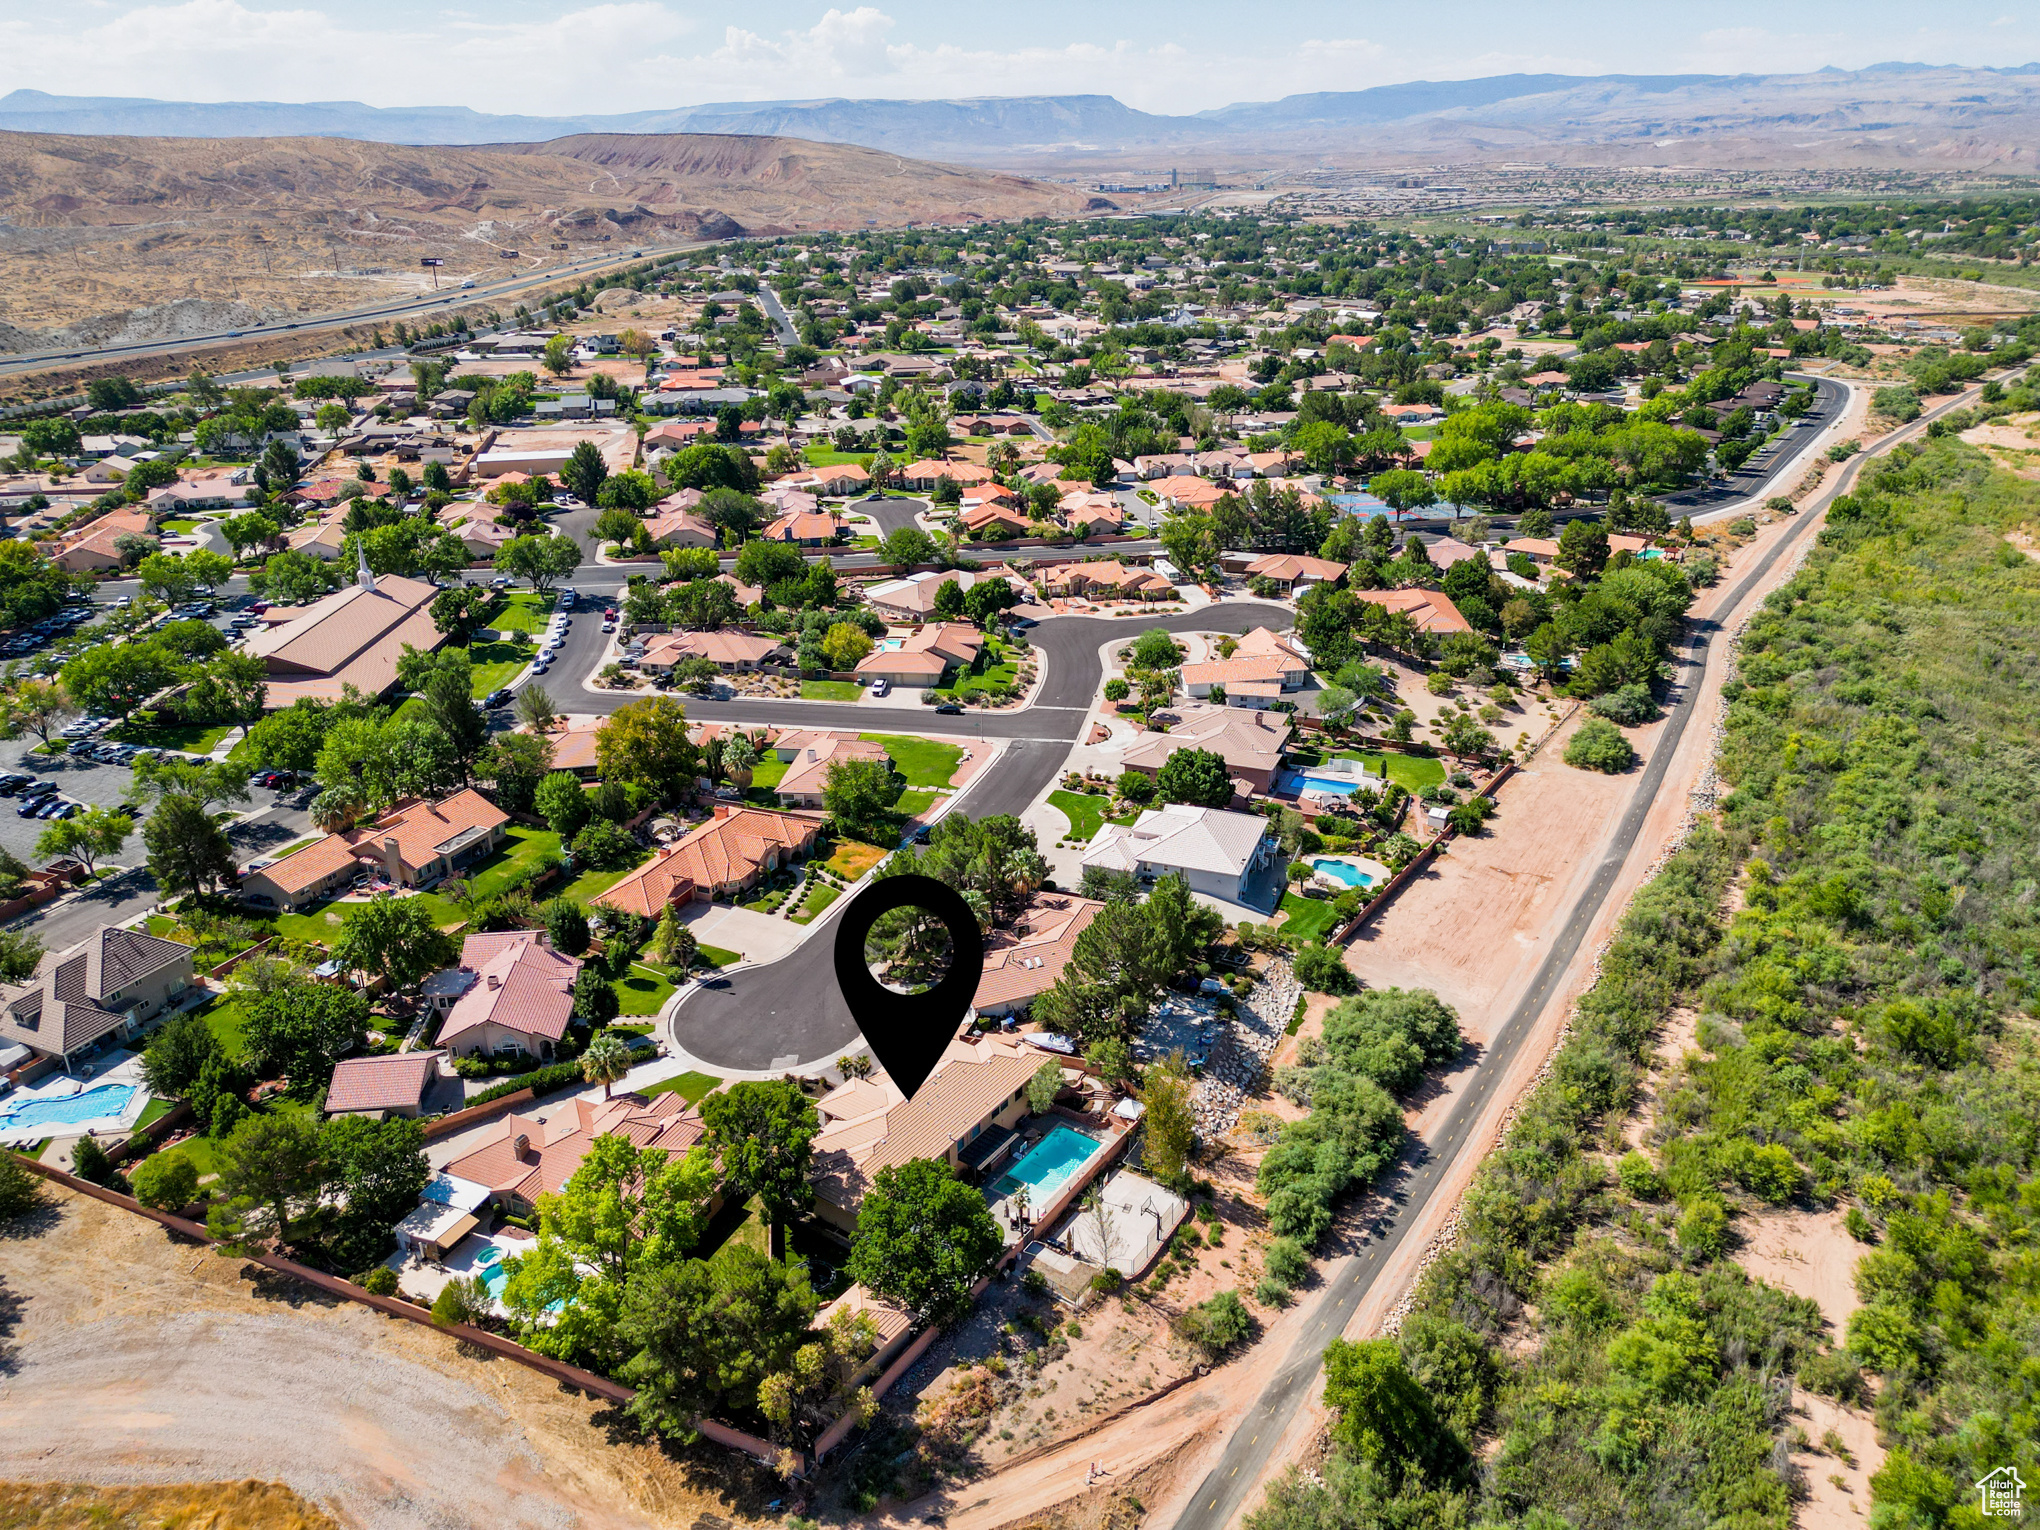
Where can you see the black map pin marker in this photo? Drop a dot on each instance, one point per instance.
(908, 1032)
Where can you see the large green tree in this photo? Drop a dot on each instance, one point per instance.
(300, 1030)
(924, 1239)
(763, 1132)
(707, 1334)
(395, 938)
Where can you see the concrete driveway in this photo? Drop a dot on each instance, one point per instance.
(760, 937)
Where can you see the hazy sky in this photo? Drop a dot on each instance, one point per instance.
(1159, 55)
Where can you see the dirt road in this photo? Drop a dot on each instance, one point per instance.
(133, 1358)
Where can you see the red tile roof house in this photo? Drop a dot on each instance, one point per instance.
(804, 528)
(516, 996)
(1241, 669)
(925, 656)
(414, 844)
(980, 1083)
(1250, 742)
(91, 550)
(925, 474)
(573, 743)
(1431, 610)
(808, 773)
(109, 985)
(727, 648)
(721, 858)
(993, 515)
(1188, 492)
(532, 1153)
(403, 1084)
(1290, 570)
(679, 526)
(1091, 515)
(1104, 581)
(1023, 959)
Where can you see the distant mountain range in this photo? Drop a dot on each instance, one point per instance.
(1900, 114)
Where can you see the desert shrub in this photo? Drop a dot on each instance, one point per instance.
(1217, 1325)
(1599, 745)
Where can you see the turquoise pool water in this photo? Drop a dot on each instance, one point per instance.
(1337, 786)
(88, 1105)
(1342, 871)
(1048, 1165)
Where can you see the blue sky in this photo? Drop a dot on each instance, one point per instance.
(1182, 55)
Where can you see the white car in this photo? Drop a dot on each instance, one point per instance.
(881, 687)
(609, 626)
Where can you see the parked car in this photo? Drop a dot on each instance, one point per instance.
(50, 807)
(881, 687)
(947, 708)
(9, 785)
(498, 698)
(63, 810)
(609, 626)
(29, 808)
(542, 666)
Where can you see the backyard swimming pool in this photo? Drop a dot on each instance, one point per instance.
(68, 1110)
(1342, 871)
(1335, 786)
(1048, 1165)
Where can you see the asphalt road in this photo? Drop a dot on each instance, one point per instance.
(1830, 399)
(1407, 1193)
(789, 1011)
(782, 326)
(422, 306)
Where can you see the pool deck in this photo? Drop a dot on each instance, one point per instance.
(1001, 1208)
(122, 1069)
(426, 1278)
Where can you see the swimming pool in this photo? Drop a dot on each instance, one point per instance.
(65, 1110)
(1342, 871)
(1048, 1165)
(1337, 786)
(891, 645)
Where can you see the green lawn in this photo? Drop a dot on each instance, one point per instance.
(291, 849)
(820, 896)
(1414, 772)
(645, 991)
(522, 848)
(830, 690)
(1308, 918)
(154, 1111)
(828, 456)
(495, 665)
(912, 804)
(921, 761)
(689, 1086)
(1086, 813)
(186, 736)
(199, 1150)
(321, 923)
(181, 528)
(768, 773)
(522, 611)
(590, 885)
(716, 956)
(226, 1019)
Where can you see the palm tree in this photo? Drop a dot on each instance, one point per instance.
(606, 1060)
(674, 944)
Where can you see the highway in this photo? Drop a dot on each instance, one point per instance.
(424, 305)
(1405, 1195)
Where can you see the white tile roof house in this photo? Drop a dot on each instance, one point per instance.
(1217, 851)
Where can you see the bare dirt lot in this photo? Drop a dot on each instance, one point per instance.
(134, 1358)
